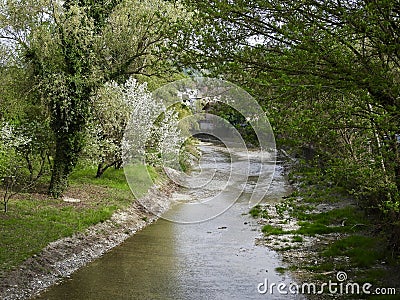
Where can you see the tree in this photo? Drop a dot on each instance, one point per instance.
(324, 47)
(326, 71)
(72, 48)
(106, 129)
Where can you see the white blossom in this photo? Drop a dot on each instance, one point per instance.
(11, 138)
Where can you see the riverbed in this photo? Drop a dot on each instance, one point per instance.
(213, 257)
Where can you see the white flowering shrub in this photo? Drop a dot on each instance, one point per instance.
(29, 146)
(143, 109)
(145, 141)
(24, 156)
(105, 131)
(11, 138)
(153, 132)
(169, 140)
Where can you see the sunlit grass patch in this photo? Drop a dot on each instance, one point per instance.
(35, 220)
(114, 178)
(31, 224)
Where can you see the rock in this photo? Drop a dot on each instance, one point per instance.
(71, 200)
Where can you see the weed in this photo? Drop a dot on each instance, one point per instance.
(255, 211)
(362, 251)
(297, 239)
(272, 230)
(280, 270)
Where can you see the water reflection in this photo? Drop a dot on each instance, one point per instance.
(216, 259)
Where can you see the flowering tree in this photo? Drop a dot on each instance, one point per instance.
(71, 48)
(169, 140)
(152, 134)
(105, 131)
(24, 157)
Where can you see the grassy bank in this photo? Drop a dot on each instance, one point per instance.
(34, 219)
(319, 230)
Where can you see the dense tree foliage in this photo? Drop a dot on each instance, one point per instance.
(327, 73)
(70, 49)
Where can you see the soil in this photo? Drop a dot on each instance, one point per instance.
(63, 257)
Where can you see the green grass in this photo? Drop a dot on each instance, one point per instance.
(312, 229)
(32, 224)
(272, 230)
(344, 220)
(347, 216)
(297, 239)
(257, 211)
(363, 251)
(364, 255)
(141, 178)
(35, 220)
(114, 178)
(280, 270)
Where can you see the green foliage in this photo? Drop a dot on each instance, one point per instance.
(327, 76)
(272, 230)
(65, 51)
(257, 211)
(32, 224)
(236, 119)
(363, 251)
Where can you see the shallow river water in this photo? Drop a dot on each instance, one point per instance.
(213, 259)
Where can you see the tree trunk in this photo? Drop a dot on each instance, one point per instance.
(101, 168)
(68, 147)
(59, 178)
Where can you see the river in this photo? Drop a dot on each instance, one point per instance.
(212, 259)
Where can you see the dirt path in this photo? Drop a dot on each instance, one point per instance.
(63, 257)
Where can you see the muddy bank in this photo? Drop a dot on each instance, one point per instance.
(63, 257)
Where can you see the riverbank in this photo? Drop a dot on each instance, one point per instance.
(320, 232)
(114, 223)
(215, 259)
